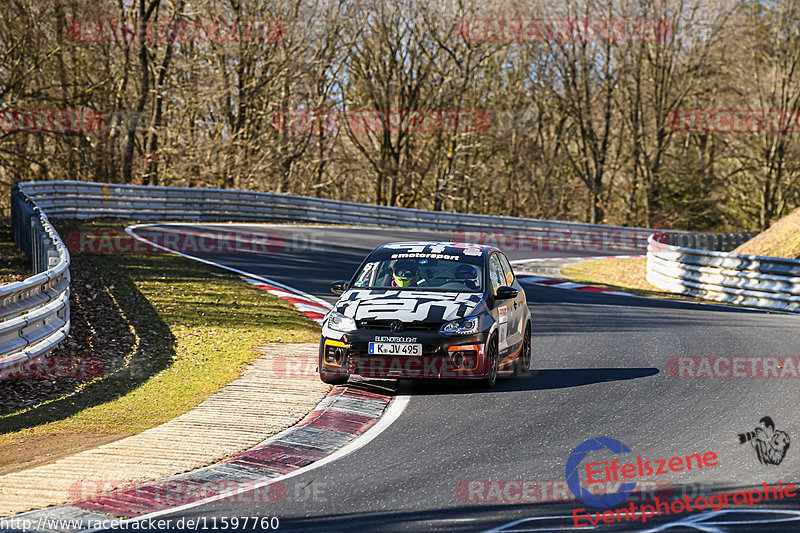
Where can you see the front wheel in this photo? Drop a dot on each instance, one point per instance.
(493, 359)
(331, 378)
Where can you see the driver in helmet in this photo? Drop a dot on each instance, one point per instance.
(405, 273)
(468, 275)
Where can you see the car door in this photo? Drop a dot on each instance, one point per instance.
(501, 310)
(517, 315)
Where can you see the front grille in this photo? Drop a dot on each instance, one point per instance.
(407, 326)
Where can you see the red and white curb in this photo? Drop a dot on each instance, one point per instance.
(313, 309)
(566, 284)
(339, 424)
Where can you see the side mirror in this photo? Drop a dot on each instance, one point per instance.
(338, 287)
(506, 293)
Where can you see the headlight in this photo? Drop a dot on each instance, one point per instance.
(465, 326)
(339, 322)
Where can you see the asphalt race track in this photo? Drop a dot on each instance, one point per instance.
(310, 257)
(600, 369)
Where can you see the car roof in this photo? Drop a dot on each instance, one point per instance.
(452, 248)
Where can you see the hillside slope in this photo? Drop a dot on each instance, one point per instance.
(780, 240)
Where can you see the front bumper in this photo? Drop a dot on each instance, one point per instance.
(442, 357)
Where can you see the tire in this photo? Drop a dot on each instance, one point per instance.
(331, 378)
(493, 356)
(523, 366)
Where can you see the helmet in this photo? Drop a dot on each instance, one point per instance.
(405, 273)
(467, 272)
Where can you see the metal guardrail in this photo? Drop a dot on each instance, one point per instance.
(721, 242)
(82, 200)
(34, 313)
(751, 280)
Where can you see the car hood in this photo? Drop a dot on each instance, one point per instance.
(407, 306)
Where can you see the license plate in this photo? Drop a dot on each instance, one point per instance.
(392, 348)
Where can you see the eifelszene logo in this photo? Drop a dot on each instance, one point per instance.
(604, 474)
(770, 444)
(573, 479)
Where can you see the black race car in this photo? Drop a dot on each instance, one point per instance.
(428, 310)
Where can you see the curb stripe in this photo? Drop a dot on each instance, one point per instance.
(342, 421)
(567, 284)
(280, 458)
(310, 308)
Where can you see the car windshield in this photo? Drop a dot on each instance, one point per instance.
(420, 274)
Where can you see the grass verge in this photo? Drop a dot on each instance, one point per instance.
(781, 240)
(169, 331)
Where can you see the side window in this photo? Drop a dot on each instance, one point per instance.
(496, 274)
(507, 269)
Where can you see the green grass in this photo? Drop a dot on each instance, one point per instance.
(170, 332)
